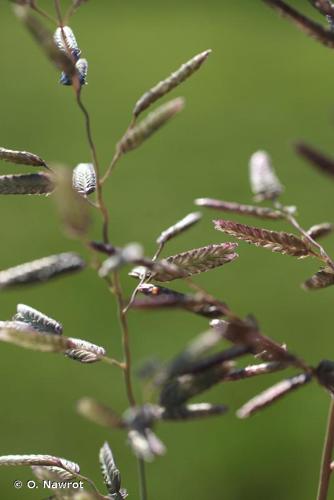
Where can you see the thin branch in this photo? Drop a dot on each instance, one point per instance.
(117, 290)
(142, 479)
(58, 11)
(325, 471)
(43, 13)
(112, 361)
(308, 26)
(111, 167)
(92, 146)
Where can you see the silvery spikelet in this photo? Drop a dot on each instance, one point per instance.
(65, 40)
(21, 158)
(40, 460)
(37, 320)
(180, 226)
(265, 184)
(41, 270)
(169, 83)
(82, 69)
(84, 178)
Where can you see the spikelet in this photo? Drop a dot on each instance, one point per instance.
(72, 208)
(77, 349)
(82, 68)
(146, 445)
(131, 253)
(254, 371)
(320, 230)
(160, 297)
(238, 208)
(21, 158)
(311, 28)
(111, 474)
(84, 178)
(178, 391)
(264, 183)
(246, 333)
(15, 325)
(45, 40)
(180, 226)
(46, 472)
(99, 413)
(316, 158)
(170, 83)
(37, 320)
(198, 260)
(135, 136)
(83, 351)
(195, 411)
(325, 7)
(101, 247)
(321, 279)
(280, 242)
(41, 270)
(325, 374)
(272, 394)
(65, 41)
(39, 460)
(30, 184)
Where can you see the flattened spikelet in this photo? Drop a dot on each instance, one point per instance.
(34, 340)
(272, 394)
(146, 445)
(238, 208)
(99, 413)
(84, 178)
(82, 68)
(135, 136)
(65, 41)
(171, 82)
(254, 371)
(320, 230)
(198, 260)
(281, 242)
(41, 270)
(325, 7)
(37, 184)
(195, 411)
(160, 297)
(45, 472)
(321, 279)
(45, 40)
(247, 334)
(21, 158)
(180, 226)
(311, 28)
(111, 474)
(72, 208)
(77, 349)
(37, 320)
(264, 183)
(40, 460)
(83, 351)
(316, 158)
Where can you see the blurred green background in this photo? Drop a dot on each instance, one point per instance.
(265, 86)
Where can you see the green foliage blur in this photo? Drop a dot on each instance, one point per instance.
(264, 87)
